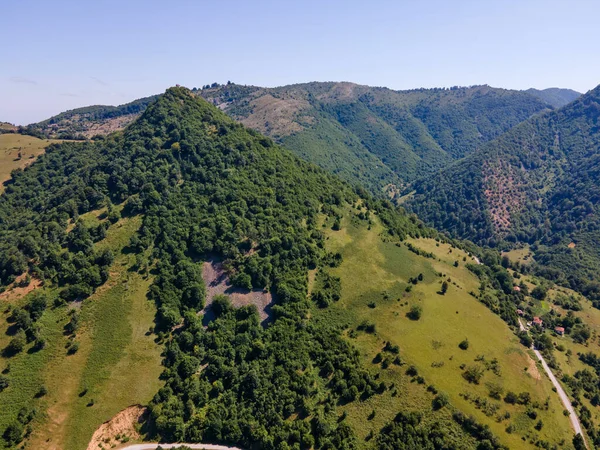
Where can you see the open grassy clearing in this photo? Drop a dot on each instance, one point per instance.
(431, 343)
(117, 364)
(521, 255)
(11, 144)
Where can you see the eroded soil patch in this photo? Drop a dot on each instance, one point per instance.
(217, 282)
(120, 428)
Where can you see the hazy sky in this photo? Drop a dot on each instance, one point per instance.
(62, 54)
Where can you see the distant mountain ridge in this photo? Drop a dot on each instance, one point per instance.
(372, 136)
(377, 136)
(556, 97)
(92, 120)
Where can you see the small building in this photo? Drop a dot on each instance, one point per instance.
(560, 331)
(520, 312)
(538, 321)
(517, 289)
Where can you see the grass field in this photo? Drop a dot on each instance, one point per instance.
(10, 146)
(521, 255)
(118, 363)
(374, 277)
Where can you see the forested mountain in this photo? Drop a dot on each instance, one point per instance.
(376, 137)
(556, 97)
(185, 192)
(536, 184)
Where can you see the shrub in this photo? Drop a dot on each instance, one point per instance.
(473, 374)
(415, 312)
(440, 400)
(3, 382)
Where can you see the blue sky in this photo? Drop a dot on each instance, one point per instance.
(62, 54)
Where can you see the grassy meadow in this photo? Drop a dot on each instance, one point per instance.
(431, 343)
(10, 145)
(117, 364)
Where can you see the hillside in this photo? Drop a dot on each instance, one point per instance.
(90, 121)
(376, 137)
(536, 185)
(115, 250)
(556, 97)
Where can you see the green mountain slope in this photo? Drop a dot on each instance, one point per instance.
(411, 133)
(536, 184)
(556, 97)
(186, 197)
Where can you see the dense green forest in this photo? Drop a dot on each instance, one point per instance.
(536, 185)
(204, 185)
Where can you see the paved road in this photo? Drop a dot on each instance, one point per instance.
(559, 389)
(166, 446)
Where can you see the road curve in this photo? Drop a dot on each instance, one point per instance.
(559, 390)
(152, 446)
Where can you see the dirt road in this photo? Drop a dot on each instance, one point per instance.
(560, 391)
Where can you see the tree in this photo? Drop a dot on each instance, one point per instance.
(578, 442)
(525, 339)
(3, 382)
(14, 433)
(464, 344)
(415, 312)
(17, 344)
(540, 292)
(444, 287)
(337, 224)
(440, 400)
(473, 374)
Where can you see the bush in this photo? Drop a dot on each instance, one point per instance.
(73, 348)
(440, 401)
(3, 382)
(464, 344)
(473, 374)
(444, 287)
(415, 312)
(14, 433)
(17, 344)
(42, 391)
(367, 327)
(510, 398)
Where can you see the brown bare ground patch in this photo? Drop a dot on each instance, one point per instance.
(123, 425)
(217, 282)
(504, 193)
(109, 125)
(275, 116)
(17, 292)
(533, 368)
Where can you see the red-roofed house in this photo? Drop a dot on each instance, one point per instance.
(560, 331)
(538, 321)
(517, 289)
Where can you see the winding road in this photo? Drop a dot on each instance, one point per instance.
(559, 390)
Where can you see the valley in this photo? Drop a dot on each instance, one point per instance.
(344, 320)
